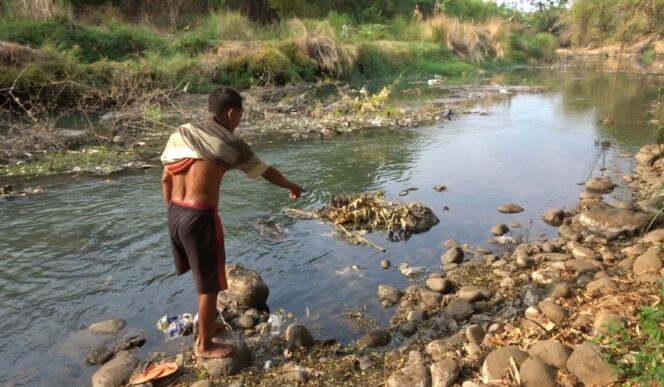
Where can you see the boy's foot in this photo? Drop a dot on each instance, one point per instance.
(215, 351)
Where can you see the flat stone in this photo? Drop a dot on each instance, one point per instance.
(560, 290)
(552, 257)
(374, 339)
(536, 373)
(470, 293)
(497, 363)
(648, 278)
(610, 222)
(600, 184)
(100, 356)
(551, 352)
(116, 372)
(582, 266)
(650, 262)
(107, 326)
(499, 229)
(444, 373)
(587, 364)
(239, 360)
(389, 295)
(414, 373)
(554, 217)
(582, 252)
(553, 311)
(606, 321)
(298, 336)
(475, 334)
(453, 255)
(510, 208)
(440, 285)
(602, 285)
(514, 225)
(459, 309)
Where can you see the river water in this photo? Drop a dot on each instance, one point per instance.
(89, 249)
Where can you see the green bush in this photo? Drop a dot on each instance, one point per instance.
(270, 66)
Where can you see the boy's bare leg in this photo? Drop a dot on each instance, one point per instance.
(207, 315)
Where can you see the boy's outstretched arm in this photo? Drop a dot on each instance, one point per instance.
(275, 177)
(167, 186)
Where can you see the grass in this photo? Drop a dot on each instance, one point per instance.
(639, 353)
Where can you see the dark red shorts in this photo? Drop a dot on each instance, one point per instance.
(197, 241)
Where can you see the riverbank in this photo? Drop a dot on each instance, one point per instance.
(584, 307)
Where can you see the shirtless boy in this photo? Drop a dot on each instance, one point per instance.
(195, 160)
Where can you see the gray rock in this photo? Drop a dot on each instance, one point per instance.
(408, 329)
(389, 295)
(135, 340)
(414, 373)
(553, 311)
(437, 349)
(416, 315)
(587, 364)
(232, 365)
(475, 334)
(536, 373)
(116, 372)
(385, 264)
(552, 352)
(365, 363)
(554, 217)
(582, 266)
(440, 285)
(610, 223)
(444, 373)
(107, 326)
(431, 299)
(603, 285)
(510, 208)
(246, 288)
(499, 229)
(453, 255)
(533, 295)
(100, 356)
(655, 236)
(245, 322)
(374, 339)
(606, 321)
(473, 293)
(600, 185)
(498, 362)
(560, 290)
(298, 336)
(650, 262)
(582, 252)
(459, 309)
(420, 220)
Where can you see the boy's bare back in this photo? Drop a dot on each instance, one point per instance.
(199, 184)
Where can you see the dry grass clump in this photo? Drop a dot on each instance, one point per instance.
(472, 41)
(36, 9)
(319, 42)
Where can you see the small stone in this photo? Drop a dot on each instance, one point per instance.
(536, 373)
(554, 217)
(415, 373)
(408, 329)
(416, 315)
(450, 244)
(116, 372)
(553, 311)
(365, 363)
(655, 236)
(459, 309)
(532, 312)
(560, 290)
(650, 262)
(499, 263)
(499, 229)
(440, 285)
(430, 299)
(508, 283)
(552, 352)
(514, 225)
(533, 295)
(582, 252)
(603, 285)
(374, 339)
(474, 351)
(600, 185)
(245, 322)
(296, 376)
(108, 326)
(607, 321)
(523, 261)
(510, 208)
(627, 263)
(385, 264)
(450, 267)
(298, 336)
(389, 295)
(497, 363)
(453, 255)
(99, 356)
(648, 279)
(203, 383)
(470, 293)
(583, 322)
(444, 373)
(548, 247)
(582, 266)
(587, 364)
(475, 334)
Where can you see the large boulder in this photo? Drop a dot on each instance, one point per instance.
(551, 352)
(246, 288)
(414, 373)
(610, 223)
(536, 373)
(116, 372)
(420, 219)
(587, 364)
(239, 360)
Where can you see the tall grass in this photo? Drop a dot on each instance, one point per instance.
(35, 9)
(473, 41)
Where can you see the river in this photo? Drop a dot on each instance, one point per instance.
(92, 248)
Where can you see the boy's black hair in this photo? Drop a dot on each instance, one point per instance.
(222, 99)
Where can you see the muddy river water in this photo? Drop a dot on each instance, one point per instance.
(89, 249)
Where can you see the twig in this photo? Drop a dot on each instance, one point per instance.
(366, 241)
(293, 212)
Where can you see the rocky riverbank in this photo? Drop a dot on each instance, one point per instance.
(568, 311)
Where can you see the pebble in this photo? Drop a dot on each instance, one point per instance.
(560, 290)
(510, 208)
(245, 322)
(514, 225)
(365, 363)
(553, 311)
(554, 217)
(535, 372)
(649, 262)
(389, 295)
(606, 321)
(450, 244)
(416, 315)
(475, 334)
(373, 339)
(552, 352)
(604, 285)
(116, 372)
(499, 229)
(298, 336)
(99, 356)
(508, 282)
(440, 285)
(408, 329)
(470, 293)
(459, 309)
(582, 252)
(385, 264)
(453, 255)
